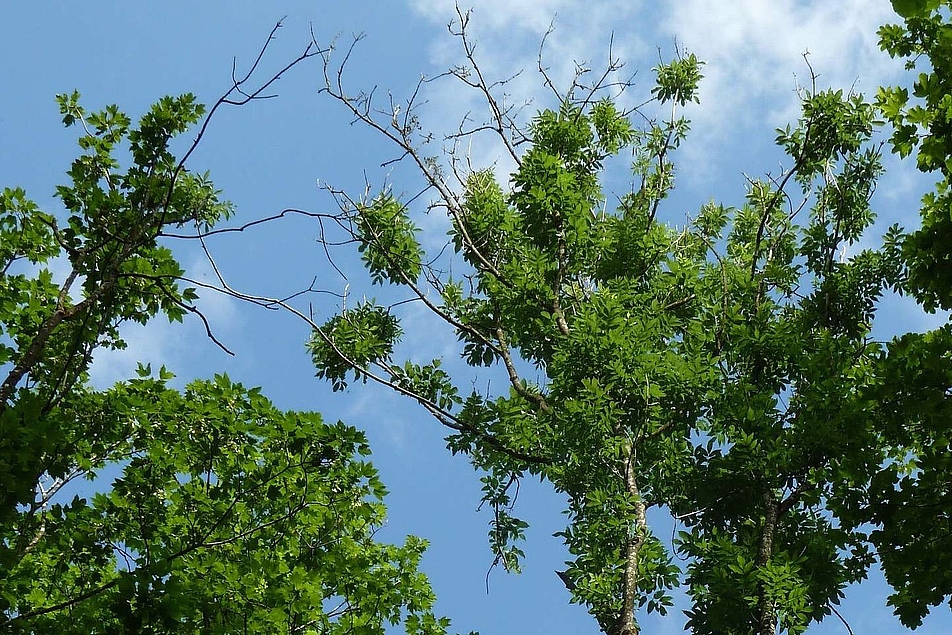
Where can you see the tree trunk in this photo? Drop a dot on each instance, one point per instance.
(634, 541)
(766, 608)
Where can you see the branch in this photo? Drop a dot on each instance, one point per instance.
(259, 221)
(33, 353)
(798, 163)
(842, 619)
(446, 418)
(787, 504)
(557, 285)
(503, 125)
(247, 96)
(202, 543)
(625, 623)
(361, 107)
(158, 280)
(517, 384)
(346, 204)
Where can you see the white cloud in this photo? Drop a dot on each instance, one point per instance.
(426, 336)
(754, 53)
(219, 309)
(157, 343)
(367, 402)
(507, 16)
(753, 50)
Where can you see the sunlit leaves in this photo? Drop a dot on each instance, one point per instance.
(908, 499)
(388, 243)
(832, 126)
(923, 123)
(167, 118)
(352, 340)
(554, 190)
(430, 382)
(27, 231)
(505, 530)
(230, 515)
(480, 228)
(910, 8)
(678, 81)
(613, 129)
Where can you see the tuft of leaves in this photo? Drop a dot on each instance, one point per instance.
(388, 243)
(352, 341)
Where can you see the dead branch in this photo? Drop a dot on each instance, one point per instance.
(442, 415)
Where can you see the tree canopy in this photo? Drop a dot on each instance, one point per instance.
(224, 514)
(718, 368)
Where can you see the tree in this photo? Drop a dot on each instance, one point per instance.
(911, 507)
(225, 514)
(721, 369)
(228, 516)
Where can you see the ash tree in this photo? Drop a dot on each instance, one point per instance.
(213, 511)
(717, 366)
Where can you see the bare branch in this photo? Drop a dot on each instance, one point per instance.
(259, 221)
(442, 415)
(798, 163)
(247, 95)
(159, 280)
(504, 124)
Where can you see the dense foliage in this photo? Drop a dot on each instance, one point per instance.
(213, 511)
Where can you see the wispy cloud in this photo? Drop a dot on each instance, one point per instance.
(366, 403)
(753, 52)
(755, 65)
(157, 343)
(507, 38)
(219, 309)
(532, 16)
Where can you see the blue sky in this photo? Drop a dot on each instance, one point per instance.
(272, 154)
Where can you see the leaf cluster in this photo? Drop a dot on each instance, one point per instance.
(225, 515)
